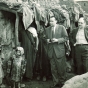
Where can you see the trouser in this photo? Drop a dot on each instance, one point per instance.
(81, 58)
(15, 84)
(1, 80)
(58, 69)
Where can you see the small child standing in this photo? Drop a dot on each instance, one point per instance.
(16, 68)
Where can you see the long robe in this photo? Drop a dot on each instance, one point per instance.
(28, 46)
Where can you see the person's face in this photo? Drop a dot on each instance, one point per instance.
(18, 53)
(53, 21)
(81, 23)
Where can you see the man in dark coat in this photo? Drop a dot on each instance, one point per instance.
(56, 37)
(79, 41)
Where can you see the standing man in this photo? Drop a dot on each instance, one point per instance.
(56, 37)
(79, 40)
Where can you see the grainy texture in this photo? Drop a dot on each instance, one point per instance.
(79, 81)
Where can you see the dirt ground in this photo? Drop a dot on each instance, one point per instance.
(40, 84)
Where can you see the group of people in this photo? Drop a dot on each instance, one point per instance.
(55, 36)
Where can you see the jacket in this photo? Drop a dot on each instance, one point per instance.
(57, 47)
(73, 34)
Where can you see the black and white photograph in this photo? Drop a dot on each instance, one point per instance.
(43, 43)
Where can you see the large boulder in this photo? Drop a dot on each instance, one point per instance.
(79, 81)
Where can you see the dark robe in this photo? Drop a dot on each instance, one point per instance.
(42, 65)
(28, 43)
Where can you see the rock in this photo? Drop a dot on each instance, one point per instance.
(79, 81)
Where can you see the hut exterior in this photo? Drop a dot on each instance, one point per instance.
(68, 3)
(84, 5)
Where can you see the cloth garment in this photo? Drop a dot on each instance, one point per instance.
(16, 68)
(72, 36)
(78, 52)
(81, 57)
(37, 15)
(80, 37)
(56, 53)
(61, 35)
(53, 32)
(42, 63)
(28, 43)
(28, 16)
(58, 69)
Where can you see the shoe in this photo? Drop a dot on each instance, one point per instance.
(44, 79)
(23, 85)
(38, 78)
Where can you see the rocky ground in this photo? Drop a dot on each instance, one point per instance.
(79, 81)
(40, 84)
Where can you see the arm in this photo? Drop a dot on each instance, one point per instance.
(37, 42)
(64, 37)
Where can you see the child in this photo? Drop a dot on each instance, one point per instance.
(16, 68)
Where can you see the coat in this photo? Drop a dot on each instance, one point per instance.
(72, 37)
(58, 47)
(73, 34)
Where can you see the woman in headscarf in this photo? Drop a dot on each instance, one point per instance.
(29, 40)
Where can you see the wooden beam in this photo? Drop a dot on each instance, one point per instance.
(11, 10)
(16, 30)
(7, 9)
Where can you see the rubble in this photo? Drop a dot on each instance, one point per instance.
(79, 81)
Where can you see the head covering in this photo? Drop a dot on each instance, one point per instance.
(33, 31)
(20, 49)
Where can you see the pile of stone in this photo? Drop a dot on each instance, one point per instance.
(79, 81)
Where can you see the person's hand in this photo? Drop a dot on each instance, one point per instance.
(36, 49)
(54, 40)
(75, 44)
(48, 40)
